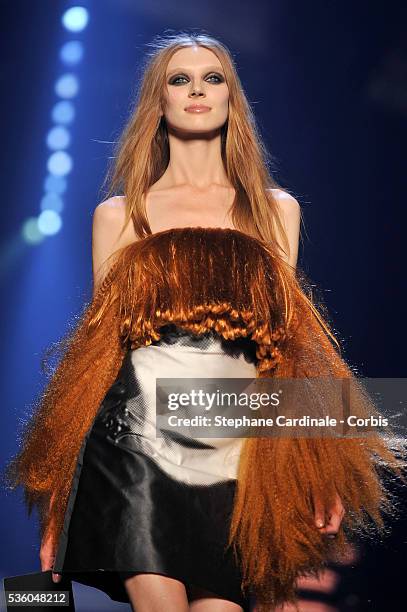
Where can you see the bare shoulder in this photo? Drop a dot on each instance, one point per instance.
(108, 221)
(291, 217)
(113, 209)
(288, 204)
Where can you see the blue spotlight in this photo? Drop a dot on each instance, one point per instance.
(58, 138)
(31, 232)
(52, 201)
(75, 19)
(49, 222)
(67, 86)
(59, 163)
(63, 112)
(55, 184)
(72, 52)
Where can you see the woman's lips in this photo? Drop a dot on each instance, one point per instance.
(197, 109)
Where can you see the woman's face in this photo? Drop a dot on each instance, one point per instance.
(195, 76)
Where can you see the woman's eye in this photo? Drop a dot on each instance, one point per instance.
(175, 80)
(217, 77)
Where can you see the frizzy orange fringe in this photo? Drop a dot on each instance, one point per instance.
(222, 280)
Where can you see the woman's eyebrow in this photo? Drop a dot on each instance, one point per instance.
(185, 70)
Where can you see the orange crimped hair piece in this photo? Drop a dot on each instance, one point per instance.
(222, 280)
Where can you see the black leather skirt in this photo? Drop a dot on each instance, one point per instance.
(139, 508)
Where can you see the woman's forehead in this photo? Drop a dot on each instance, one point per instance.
(192, 58)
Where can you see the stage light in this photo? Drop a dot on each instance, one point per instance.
(31, 232)
(75, 19)
(52, 201)
(49, 222)
(58, 138)
(72, 52)
(63, 112)
(59, 163)
(55, 184)
(67, 86)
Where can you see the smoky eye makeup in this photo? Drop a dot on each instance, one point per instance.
(179, 79)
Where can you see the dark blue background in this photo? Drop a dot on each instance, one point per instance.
(327, 80)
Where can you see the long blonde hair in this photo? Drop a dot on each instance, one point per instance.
(142, 152)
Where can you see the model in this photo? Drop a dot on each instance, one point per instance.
(194, 277)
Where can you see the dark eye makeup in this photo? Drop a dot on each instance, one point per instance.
(174, 80)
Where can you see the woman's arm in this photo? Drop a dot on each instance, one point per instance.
(108, 220)
(290, 213)
(328, 520)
